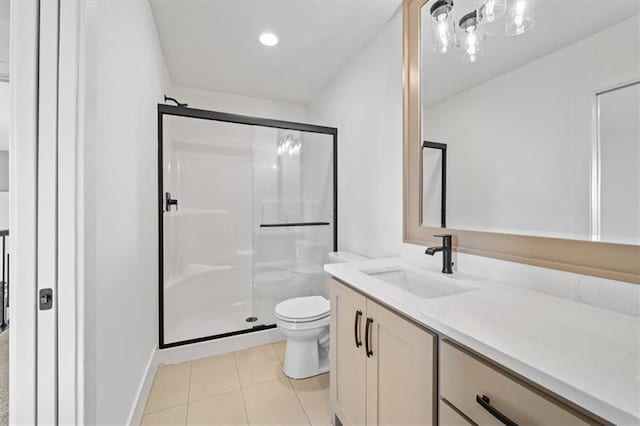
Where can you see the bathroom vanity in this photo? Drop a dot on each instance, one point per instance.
(413, 346)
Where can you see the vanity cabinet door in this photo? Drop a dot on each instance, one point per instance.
(400, 370)
(348, 359)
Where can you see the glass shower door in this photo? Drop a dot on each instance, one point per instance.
(293, 201)
(207, 217)
(246, 219)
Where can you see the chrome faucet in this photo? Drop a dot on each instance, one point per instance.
(446, 253)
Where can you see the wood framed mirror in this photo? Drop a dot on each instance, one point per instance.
(564, 119)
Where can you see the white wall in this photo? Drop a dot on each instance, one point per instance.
(4, 39)
(5, 122)
(519, 146)
(364, 101)
(125, 78)
(236, 104)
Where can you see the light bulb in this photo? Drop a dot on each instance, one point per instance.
(268, 39)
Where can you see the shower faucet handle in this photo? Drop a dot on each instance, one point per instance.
(168, 202)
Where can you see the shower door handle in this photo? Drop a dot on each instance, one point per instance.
(168, 202)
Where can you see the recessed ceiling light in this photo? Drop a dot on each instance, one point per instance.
(268, 39)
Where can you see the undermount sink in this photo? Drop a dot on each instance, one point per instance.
(421, 284)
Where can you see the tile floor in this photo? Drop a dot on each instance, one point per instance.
(239, 388)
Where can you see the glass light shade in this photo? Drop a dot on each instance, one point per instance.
(442, 26)
(471, 38)
(471, 46)
(491, 10)
(520, 17)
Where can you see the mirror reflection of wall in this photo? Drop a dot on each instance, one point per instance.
(519, 122)
(617, 158)
(434, 175)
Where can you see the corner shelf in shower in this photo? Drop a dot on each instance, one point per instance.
(194, 270)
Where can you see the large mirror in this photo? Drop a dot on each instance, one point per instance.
(531, 117)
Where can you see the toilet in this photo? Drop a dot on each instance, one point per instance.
(304, 321)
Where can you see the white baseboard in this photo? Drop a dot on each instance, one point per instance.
(137, 410)
(218, 346)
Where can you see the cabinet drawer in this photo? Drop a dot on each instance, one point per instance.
(465, 380)
(448, 417)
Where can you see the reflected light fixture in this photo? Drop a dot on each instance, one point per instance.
(471, 38)
(289, 145)
(521, 17)
(268, 39)
(443, 26)
(491, 10)
(468, 36)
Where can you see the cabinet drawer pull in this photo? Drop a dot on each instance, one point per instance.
(356, 329)
(367, 337)
(485, 402)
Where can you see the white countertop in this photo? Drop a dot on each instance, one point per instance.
(585, 354)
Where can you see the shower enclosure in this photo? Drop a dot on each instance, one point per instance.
(247, 216)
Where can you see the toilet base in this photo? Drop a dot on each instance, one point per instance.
(304, 359)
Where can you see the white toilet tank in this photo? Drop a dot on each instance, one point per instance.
(339, 257)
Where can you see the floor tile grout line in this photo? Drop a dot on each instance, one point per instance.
(153, 384)
(162, 411)
(186, 420)
(263, 380)
(244, 401)
(295, 392)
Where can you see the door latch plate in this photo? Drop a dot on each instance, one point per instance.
(46, 299)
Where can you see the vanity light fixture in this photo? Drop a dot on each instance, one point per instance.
(468, 37)
(520, 18)
(268, 39)
(442, 26)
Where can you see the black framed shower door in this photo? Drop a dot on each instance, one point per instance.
(166, 202)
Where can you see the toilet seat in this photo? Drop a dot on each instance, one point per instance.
(303, 309)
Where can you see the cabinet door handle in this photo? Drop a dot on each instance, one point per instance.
(485, 402)
(356, 329)
(367, 337)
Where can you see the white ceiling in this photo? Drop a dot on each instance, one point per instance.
(559, 23)
(213, 44)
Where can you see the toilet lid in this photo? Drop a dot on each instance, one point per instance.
(303, 308)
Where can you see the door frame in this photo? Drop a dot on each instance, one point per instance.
(181, 110)
(23, 74)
